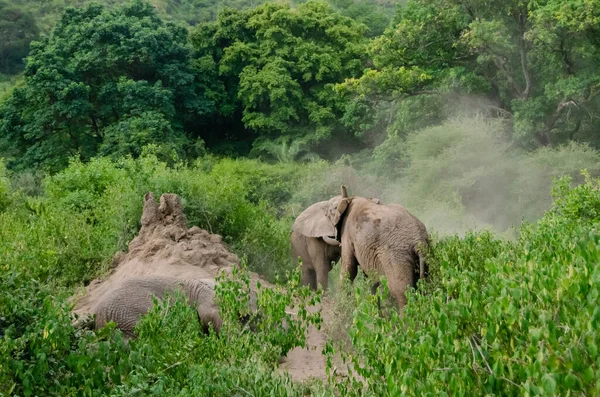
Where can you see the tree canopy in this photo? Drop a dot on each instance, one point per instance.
(17, 29)
(105, 81)
(280, 65)
(304, 78)
(536, 62)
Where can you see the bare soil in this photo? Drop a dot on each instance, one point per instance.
(166, 246)
(306, 363)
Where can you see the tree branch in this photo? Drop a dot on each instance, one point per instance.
(523, 55)
(490, 370)
(544, 136)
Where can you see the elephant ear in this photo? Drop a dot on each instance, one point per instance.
(313, 221)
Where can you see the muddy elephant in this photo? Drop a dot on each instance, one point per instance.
(386, 239)
(313, 241)
(132, 298)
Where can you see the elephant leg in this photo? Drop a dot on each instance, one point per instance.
(349, 268)
(309, 278)
(207, 317)
(322, 272)
(400, 278)
(374, 287)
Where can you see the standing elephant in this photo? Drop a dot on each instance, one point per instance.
(132, 298)
(313, 240)
(386, 239)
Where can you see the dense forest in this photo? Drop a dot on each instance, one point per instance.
(480, 117)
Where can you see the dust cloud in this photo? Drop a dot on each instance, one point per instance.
(463, 174)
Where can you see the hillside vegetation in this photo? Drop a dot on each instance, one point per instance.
(479, 117)
(24, 21)
(497, 316)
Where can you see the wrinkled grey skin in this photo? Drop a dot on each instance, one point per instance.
(386, 239)
(133, 298)
(314, 239)
(317, 256)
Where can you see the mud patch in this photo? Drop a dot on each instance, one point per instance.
(165, 246)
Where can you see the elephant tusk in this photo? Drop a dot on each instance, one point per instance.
(331, 241)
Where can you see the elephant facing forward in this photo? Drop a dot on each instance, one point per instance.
(386, 239)
(314, 240)
(131, 299)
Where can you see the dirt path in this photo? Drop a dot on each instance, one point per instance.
(306, 363)
(303, 364)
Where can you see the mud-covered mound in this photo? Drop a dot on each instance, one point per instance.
(164, 246)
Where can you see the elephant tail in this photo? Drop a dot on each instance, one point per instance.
(421, 264)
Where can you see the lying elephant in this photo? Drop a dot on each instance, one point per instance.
(133, 298)
(383, 238)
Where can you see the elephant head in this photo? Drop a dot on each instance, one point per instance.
(315, 221)
(337, 206)
(315, 238)
(321, 220)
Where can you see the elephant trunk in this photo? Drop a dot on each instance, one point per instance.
(201, 295)
(344, 192)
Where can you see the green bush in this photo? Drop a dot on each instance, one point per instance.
(4, 187)
(498, 318)
(42, 353)
(239, 199)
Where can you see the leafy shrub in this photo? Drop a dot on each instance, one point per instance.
(42, 353)
(237, 199)
(498, 318)
(129, 136)
(4, 187)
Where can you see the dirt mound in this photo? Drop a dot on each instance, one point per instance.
(164, 246)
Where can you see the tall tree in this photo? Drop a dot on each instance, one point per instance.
(106, 81)
(536, 61)
(280, 65)
(17, 30)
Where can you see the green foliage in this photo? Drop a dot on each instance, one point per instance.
(284, 151)
(17, 29)
(376, 15)
(291, 82)
(512, 53)
(41, 352)
(5, 194)
(240, 199)
(280, 64)
(497, 318)
(99, 83)
(579, 205)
